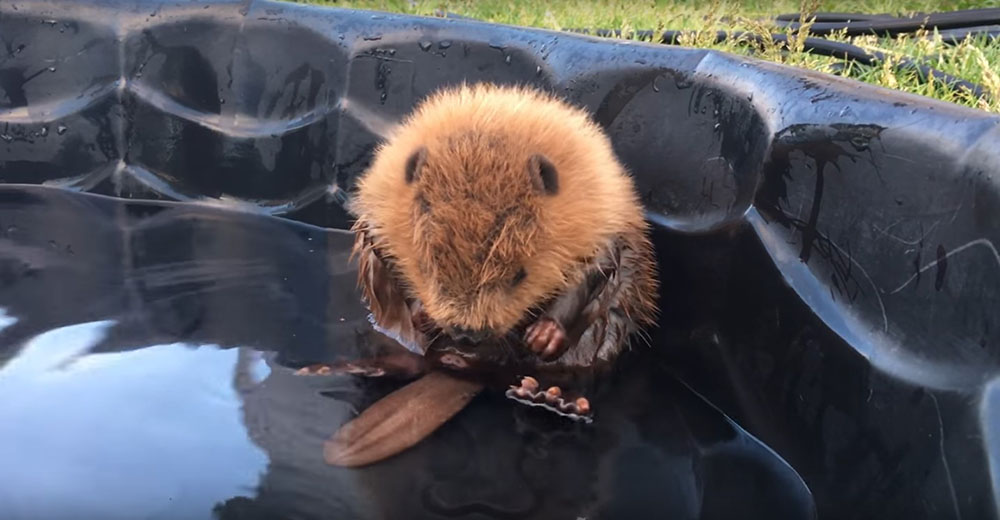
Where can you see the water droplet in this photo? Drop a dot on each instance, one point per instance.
(717, 126)
(52, 69)
(538, 70)
(372, 37)
(704, 110)
(19, 49)
(44, 131)
(53, 244)
(425, 45)
(378, 17)
(682, 82)
(61, 129)
(656, 88)
(383, 96)
(6, 138)
(506, 59)
(844, 111)
(222, 101)
(444, 44)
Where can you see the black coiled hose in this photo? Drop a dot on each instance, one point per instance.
(820, 46)
(855, 24)
(954, 27)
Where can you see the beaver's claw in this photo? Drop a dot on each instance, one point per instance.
(546, 338)
(353, 368)
(529, 393)
(401, 366)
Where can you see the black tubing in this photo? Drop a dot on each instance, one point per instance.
(956, 36)
(824, 47)
(894, 26)
(820, 46)
(845, 51)
(954, 26)
(835, 17)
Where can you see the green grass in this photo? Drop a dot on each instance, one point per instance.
(977, 60)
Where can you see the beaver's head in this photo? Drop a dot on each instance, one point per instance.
(491, 200)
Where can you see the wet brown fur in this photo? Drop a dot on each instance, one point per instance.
(475, 214)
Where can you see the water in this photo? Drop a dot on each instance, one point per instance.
(148, 374)
(161, 426)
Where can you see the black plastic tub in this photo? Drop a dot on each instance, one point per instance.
(171, 247)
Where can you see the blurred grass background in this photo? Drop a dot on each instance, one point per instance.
(976, 59)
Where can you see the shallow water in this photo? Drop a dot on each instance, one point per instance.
(146, 359)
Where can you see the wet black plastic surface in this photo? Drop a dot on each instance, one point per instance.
(148, 360)
(828, 249)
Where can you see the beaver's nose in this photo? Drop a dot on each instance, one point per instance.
(471, 335)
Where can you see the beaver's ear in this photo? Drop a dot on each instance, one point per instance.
(415, 163)
(544, 176)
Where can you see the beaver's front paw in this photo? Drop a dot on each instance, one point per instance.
(358, 368)
(402, 366)
(552, 399)
(546, 338)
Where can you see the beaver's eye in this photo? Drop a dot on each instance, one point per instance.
(519, 277)
(414, 164)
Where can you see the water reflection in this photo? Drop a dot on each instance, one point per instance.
(5, 319)
(149, 433)
(146, 369)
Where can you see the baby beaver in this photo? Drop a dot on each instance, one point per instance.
(497, 219)
(493, 210)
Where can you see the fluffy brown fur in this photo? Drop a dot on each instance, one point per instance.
(462, 204)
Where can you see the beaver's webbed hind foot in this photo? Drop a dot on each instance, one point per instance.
(530, 393)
